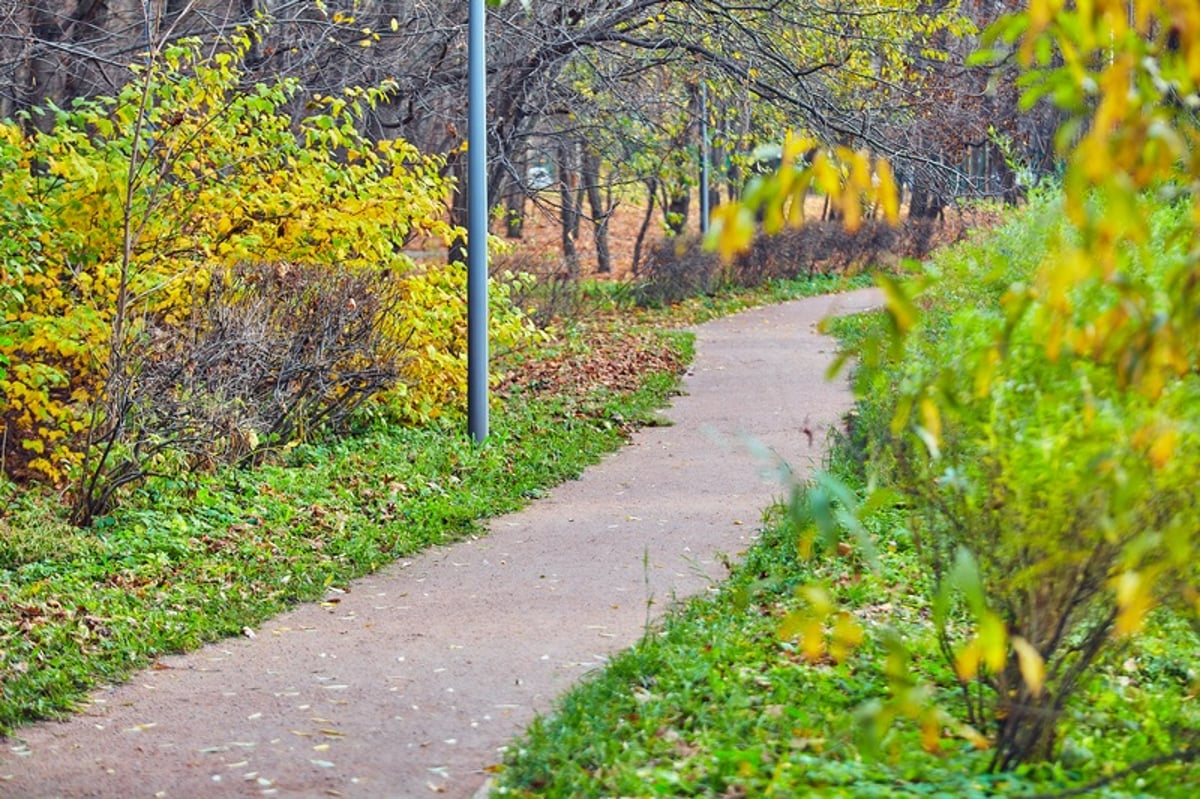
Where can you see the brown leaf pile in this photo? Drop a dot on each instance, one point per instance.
(608, 361)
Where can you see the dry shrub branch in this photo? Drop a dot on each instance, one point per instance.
(272, 353)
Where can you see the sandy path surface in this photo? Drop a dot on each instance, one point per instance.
(412, 681)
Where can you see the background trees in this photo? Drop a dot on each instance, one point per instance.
(566, 77)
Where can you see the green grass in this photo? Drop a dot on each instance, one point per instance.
(717, 702)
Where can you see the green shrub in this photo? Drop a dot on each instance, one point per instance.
(1053, 502)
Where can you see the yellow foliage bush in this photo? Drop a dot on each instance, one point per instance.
(435, 331)
(128, 206)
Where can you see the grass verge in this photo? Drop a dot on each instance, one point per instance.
(717, 702)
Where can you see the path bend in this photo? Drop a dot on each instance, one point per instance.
(411, 683)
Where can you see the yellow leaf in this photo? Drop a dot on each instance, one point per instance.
(899, 305)
(966, 662)
(885, 191)
(1163, 448)
(826, 176)
(847, 635)
(1031, 664)
(931, 418)
(812, 639)
(931, 732)
(1133, 602)
(732, 230)
(993, 641)
(818, 600)
(973, 737)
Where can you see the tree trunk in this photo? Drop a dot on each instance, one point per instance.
(601, 210)
(651, 195)
(571, 201)
(515, 194)
(924, 204)
(675, 211)
(514, 215)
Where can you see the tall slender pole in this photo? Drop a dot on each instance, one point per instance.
(477, 232)
(705, 199)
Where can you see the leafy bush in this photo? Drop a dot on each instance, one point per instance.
(681, 267)
(1053, 502)
(434, 328)
(1049, 435)
(1037, 397)
(116, 219)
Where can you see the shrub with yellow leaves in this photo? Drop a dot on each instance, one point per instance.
(125, 209)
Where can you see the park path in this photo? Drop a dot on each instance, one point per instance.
(409, 682)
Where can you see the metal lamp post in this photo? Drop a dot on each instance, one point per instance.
(477, 228)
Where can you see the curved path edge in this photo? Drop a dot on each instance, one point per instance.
(410, 684)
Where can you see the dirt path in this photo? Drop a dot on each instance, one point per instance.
(408, 684)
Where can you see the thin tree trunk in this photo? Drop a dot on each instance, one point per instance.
(675, 211)
(601, 211)
(571, 201)
(651, 195)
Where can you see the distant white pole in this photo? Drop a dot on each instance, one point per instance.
(477, 227)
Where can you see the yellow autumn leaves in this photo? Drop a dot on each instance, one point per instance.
(855, 183)
(185, 173)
